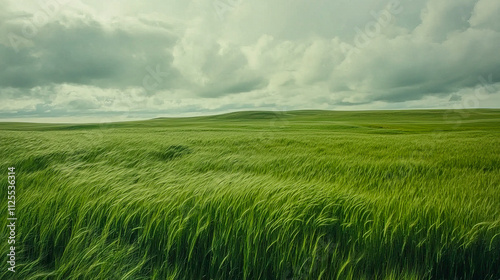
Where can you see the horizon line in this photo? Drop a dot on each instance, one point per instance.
(43, 120)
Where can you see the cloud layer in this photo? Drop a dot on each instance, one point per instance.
(66, 58)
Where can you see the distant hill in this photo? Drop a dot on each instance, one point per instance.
(400, 120)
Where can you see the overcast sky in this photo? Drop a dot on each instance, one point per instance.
(72, 60)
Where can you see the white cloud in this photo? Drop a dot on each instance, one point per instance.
(172, 57)
(485, 15)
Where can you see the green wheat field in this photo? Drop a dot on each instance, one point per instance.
(257, 195)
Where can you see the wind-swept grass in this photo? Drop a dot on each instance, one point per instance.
(299, 195)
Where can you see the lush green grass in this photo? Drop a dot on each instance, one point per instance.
(258, 195)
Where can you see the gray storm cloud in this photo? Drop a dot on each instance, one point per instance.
(73, 58)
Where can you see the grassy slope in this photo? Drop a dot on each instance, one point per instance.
(259, 195)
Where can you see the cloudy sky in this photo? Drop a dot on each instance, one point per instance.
(89, 60)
